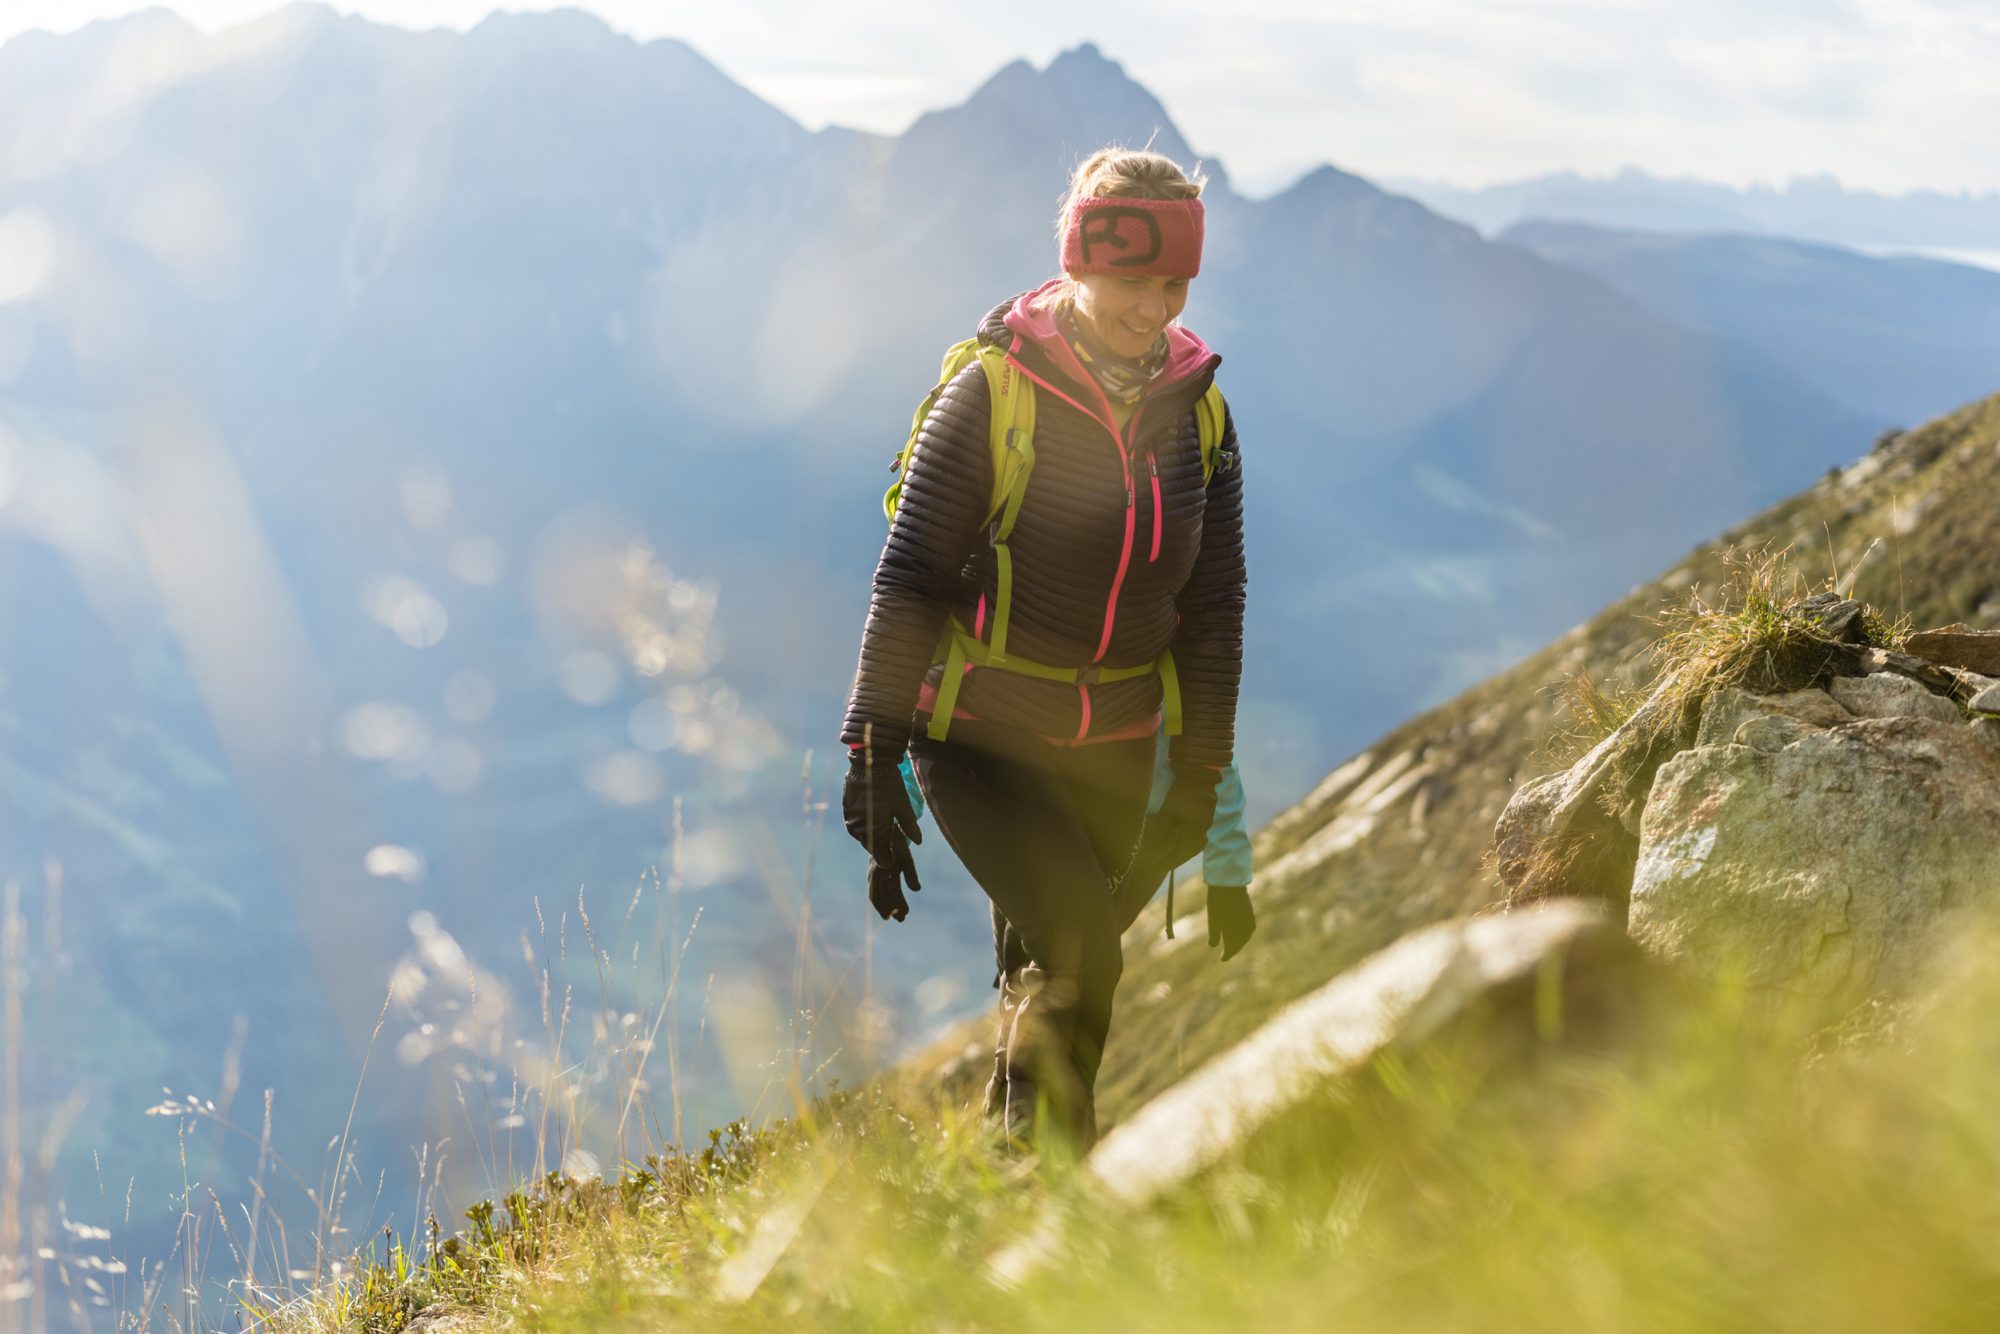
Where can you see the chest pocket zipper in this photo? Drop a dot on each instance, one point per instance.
(1153, 467)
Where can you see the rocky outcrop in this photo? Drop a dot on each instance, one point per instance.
(1576, 832)
(1816, 840)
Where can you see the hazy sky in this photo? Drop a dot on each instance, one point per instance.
(1884, 94)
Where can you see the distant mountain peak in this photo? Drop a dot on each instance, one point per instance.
(576, 27)
(1081, 100)
(149, 18)
(1086, 69)
(1086, 57)
(1015, 72)
(1327, 182)
(303, 17)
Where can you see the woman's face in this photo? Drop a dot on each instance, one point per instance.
(1127, 311)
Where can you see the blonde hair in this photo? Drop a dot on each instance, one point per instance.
(1128, 173)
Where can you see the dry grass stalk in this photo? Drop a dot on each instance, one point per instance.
(1593, 711)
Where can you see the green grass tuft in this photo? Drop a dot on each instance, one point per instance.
(1752, 636)
(543, 1228)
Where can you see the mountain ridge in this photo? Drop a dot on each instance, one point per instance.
(1814, 207)
(1892, 336)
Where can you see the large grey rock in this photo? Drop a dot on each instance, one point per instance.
(1889, 695)
(1399, 994)
(1987, 700)
(1825, 867)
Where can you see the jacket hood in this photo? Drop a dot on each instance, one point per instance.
(1016, 323)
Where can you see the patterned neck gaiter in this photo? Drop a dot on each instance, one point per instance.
(1123, 379)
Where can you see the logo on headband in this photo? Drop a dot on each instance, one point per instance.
(1101, 226)
(1139, 236)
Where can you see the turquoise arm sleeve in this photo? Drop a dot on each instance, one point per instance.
(910, 785)
(1226, 859)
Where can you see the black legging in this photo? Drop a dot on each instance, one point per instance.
(1042, 828)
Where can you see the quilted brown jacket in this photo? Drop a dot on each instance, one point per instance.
(1120, 552)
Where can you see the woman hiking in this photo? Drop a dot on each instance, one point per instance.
(1063, 586)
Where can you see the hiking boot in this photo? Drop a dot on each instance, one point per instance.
(1020, 1114)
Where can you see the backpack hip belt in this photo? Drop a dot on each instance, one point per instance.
(960, 652)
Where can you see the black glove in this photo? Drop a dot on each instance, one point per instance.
(1190, 800)
(1231, 919)
(1170, 836)
(876, 808)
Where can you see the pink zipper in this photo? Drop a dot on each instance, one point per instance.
(1131, 524)
(1153, 467)
(1124, 560)
(1131, 503)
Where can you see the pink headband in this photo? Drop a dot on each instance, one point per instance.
(1108, 234)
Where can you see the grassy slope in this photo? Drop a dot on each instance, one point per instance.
(1703, 1181)
(1416, 810)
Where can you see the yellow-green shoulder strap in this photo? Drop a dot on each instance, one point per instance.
(955, 359)
(1012, 435)
(1209, 419)
(1012, 429)
(1013, 445)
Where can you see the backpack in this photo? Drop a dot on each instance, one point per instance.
(1011, 439)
